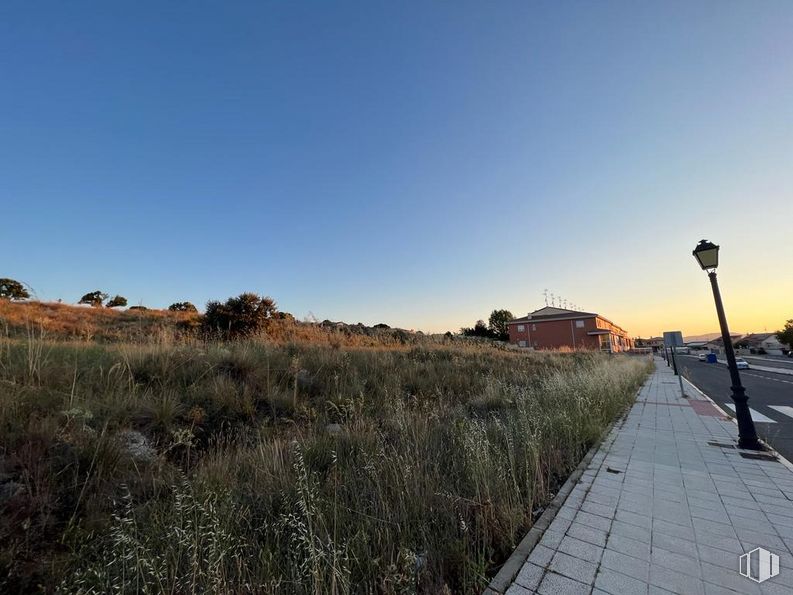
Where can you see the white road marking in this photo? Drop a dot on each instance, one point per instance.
(783, 409)
(756, 415)
(768, 378)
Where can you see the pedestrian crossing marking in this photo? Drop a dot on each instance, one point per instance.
(783, 409)
(756, 416)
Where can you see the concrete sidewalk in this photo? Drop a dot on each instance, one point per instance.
(666, 505)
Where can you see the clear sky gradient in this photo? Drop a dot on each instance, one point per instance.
(414, 163)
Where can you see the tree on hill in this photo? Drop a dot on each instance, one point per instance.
(498, 323)
(241, 316)
(94, 299)
(479, 330)
(117, 301)
(10, 289)
(182, 307)
(786, 334)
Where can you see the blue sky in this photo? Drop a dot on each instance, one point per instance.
(415, 163)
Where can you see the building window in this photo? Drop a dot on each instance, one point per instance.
(522, 343)
(534, 327)
(521, 328)
(579, 324)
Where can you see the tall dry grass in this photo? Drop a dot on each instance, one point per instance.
(285, 467)
(83, 323)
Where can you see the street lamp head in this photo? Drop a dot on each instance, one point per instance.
(707, 255)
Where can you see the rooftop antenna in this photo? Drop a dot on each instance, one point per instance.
(553, 300)
(545, 293)
(564, 301)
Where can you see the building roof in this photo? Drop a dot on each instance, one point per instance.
(550, 312)
(718, 340)
(755, 339)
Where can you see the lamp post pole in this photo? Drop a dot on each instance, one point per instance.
(747, 436)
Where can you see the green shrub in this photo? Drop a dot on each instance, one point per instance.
(182, 307)
(243, 316)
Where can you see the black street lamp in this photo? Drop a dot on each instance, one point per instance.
(707, 255)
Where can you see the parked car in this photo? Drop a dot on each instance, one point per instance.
(741, 364)
(703, 357)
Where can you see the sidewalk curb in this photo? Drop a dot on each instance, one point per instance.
(779, 457)
(499, 584)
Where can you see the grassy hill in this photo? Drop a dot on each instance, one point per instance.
(65, 322)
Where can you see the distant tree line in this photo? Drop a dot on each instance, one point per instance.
(246, 315)
(96, 299)
(497, 326)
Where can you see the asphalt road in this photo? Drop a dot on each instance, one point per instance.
(786, 363)
(770, 398)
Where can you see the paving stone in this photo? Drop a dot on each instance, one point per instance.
(751, 539)
(676, 562)
(567, 512)
(530, 576)
(710, 514)
(574, 568)
(730, 544)
(613, 582)
(625, 564)
(773, 587)
(560, 525)
(581, 549)
(755, 525)
(588, 534)
(712, 528)
(592, 520)
(551, 539)
(675, 544)
(599, 509)
(722, 577)
(675, 582)
(632, 531)
(631, 518)
(628, 546)
(556, 584)
(673, 529)
(516, 589)
(717, 557)
(541, 555)
(711, 589)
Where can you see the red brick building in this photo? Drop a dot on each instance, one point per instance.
(557, 328)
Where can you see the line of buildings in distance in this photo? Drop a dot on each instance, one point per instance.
(555, 328)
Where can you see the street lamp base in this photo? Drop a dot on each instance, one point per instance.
(750, 444)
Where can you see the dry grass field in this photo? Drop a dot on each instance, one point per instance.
(83, 323)
(307, 461)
